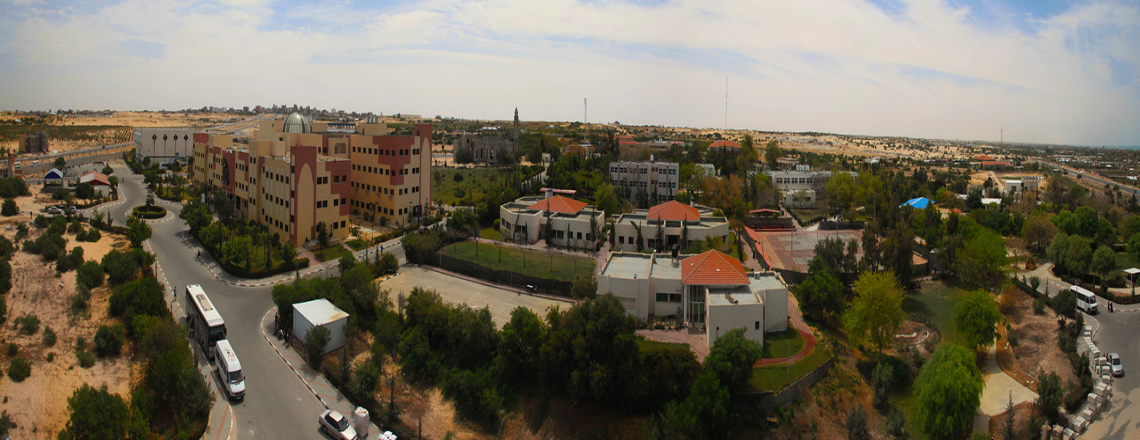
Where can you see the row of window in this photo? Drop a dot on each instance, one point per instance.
(616, 170)
(669, 297)
(794, 180)
(386, 152)
(385, 171)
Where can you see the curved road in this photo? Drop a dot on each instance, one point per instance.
(277, 403)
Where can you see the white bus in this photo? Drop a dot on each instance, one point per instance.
(1086, 300)
(208, 326)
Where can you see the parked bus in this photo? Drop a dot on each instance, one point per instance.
(208, 326)
(1086, 300)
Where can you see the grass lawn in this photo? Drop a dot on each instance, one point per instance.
(476, 182)
(258, 257)
(1123, 261)
(647, 346)
(491, 234)
(776, 345)
(525, 261)
(357, 245)
(778, 377)
(935, 302)
(330, 253)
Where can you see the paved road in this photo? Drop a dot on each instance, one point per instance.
(1117, 334)
(1095, 178)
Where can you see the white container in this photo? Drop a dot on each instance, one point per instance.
(320, 312)
(360, 422)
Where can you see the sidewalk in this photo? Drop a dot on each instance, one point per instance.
(805, 332)
(314, 381)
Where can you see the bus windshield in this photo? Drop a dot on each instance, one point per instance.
(236, 376)
(217, 334)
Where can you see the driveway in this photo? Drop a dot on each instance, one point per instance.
(460, 291)
(1121, 419)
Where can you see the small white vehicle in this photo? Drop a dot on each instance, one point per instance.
(1114, 362)
(337, 425)
(1086, 300)
(35, 162)
(229, 371)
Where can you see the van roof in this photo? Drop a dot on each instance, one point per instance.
(1082, 291)
(227, 352)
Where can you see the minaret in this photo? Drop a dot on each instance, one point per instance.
(516, 131)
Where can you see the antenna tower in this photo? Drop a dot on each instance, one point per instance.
(726, 103)
(585, 111)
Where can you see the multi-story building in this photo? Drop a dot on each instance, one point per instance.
(679, 225)
(801, 187)
(526, 218)
(163, 144)
(659, 180)
(34, 143)
(293, 176)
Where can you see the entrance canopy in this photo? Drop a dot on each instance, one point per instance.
(917, 203)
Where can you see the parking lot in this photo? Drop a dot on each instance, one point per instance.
(461, 291)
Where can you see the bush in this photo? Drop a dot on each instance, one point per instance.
(1050, 395)
(86, 359)
(90, 274)
(856, 423)
(150, 212)
(13, 349)
(1065, 303)
(9, 209)
(80, 299)
(895, 423)
(74, 227)
(61, 193)
(1039, 306)
(109, 340)
(96, 413)
(41, 221)
(29, 324)
(50, 357)
(92, 235)
(19, 369)
(80, 344)
(315, 342)
(49, 337)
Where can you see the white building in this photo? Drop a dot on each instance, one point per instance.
(320, 313)
(659, 180)
(801, 187)
(164, 144)
(710, 290)
(525, 219)
(680, 224)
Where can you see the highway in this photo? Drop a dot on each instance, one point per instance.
(1089, 176)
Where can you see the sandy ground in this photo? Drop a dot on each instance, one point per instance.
(131, 119)
(1037, 346)
(39, 404)
(1022, 413)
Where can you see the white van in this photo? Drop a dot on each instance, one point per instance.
(229, 370)
(1086, 300)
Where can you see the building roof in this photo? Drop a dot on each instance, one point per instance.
(559, 204)
(319, 311)
(725, 144)
(763, 211)
(995, 163)
(53, 174)
(674, 210)
(983, 157)
(712, 268)
(96, 178)
(296, 123)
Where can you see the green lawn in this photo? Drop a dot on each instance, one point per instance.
(330, 253)
(808, 214)
(778, 377)
(258, 257)
(782, 344)
(647, 346)
(1123, 261)
(357, 245)
(525, 261)
(491, 234)
(476, 182)
(935, 302)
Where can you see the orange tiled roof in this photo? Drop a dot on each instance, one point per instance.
(995, 163)
(674, 210)
(724, 143)
(559, 204)
(983, 157)
(712, 268)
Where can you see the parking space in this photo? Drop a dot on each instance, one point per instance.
(461, 291)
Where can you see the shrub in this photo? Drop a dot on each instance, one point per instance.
(13, 349)
(895, 423)
(9, 209)
(86, 359)
(41, 221)
(856, 423)
(29, 324)
(80, 344)
(1050, 394)
(93, 235)
(1039, 306)
(74, 227)
(315, 342)
(49, 337)
(19, 369)
(109, 340)
(90, 274)
(80, 299)
(50, 357)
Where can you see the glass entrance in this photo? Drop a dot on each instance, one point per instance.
(695, 304)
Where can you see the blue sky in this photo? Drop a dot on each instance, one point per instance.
(1043, 70)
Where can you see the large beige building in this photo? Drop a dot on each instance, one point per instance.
(163, 144)
(295, 175)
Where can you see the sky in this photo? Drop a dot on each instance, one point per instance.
(1042, 71)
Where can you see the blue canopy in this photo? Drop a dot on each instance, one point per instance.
(54, 174)
(917, 203)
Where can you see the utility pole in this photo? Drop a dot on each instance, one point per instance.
(585, 111)
(726, 103)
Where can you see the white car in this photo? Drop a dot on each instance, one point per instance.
(1114, 362)
(337, 425)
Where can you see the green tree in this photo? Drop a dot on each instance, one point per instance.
(585, 285)
(180, 390)
(876, 311)
(731, 358)
(606, 199)
(346, 262)
(708, 402)
(389, 263)
(1038, 231)
(771, 153)
(976, 316)
(983, 261)
(840, 191)
(197, 216)
(315, 342)
(223, 206)
(9, 209)
(948, 391)
(85, 191)
(1079, 255)
(237, 250)
(821, 293)
(138, 231)
(1103, 262)
(519, 353)
(60, 163)
(1058, 249)
(96, 414)
(1050, 394)
(323, 236)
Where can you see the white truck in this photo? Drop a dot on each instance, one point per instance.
(229, 371)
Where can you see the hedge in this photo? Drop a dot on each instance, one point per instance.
(152, 212)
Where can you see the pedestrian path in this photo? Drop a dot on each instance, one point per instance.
(324, 391)
(805, 332)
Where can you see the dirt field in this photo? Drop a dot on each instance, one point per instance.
(130, 119)
(39, 403)
(1037, 346)
(1022, 412)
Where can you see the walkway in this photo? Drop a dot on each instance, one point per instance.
(805, 332)
(999, 389)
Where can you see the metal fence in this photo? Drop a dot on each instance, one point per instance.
(510, 278)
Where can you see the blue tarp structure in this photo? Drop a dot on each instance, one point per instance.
(53, 176)
(917, 203)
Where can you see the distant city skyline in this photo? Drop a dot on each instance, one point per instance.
(1046, 71)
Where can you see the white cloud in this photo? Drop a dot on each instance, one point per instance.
(829, 65)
